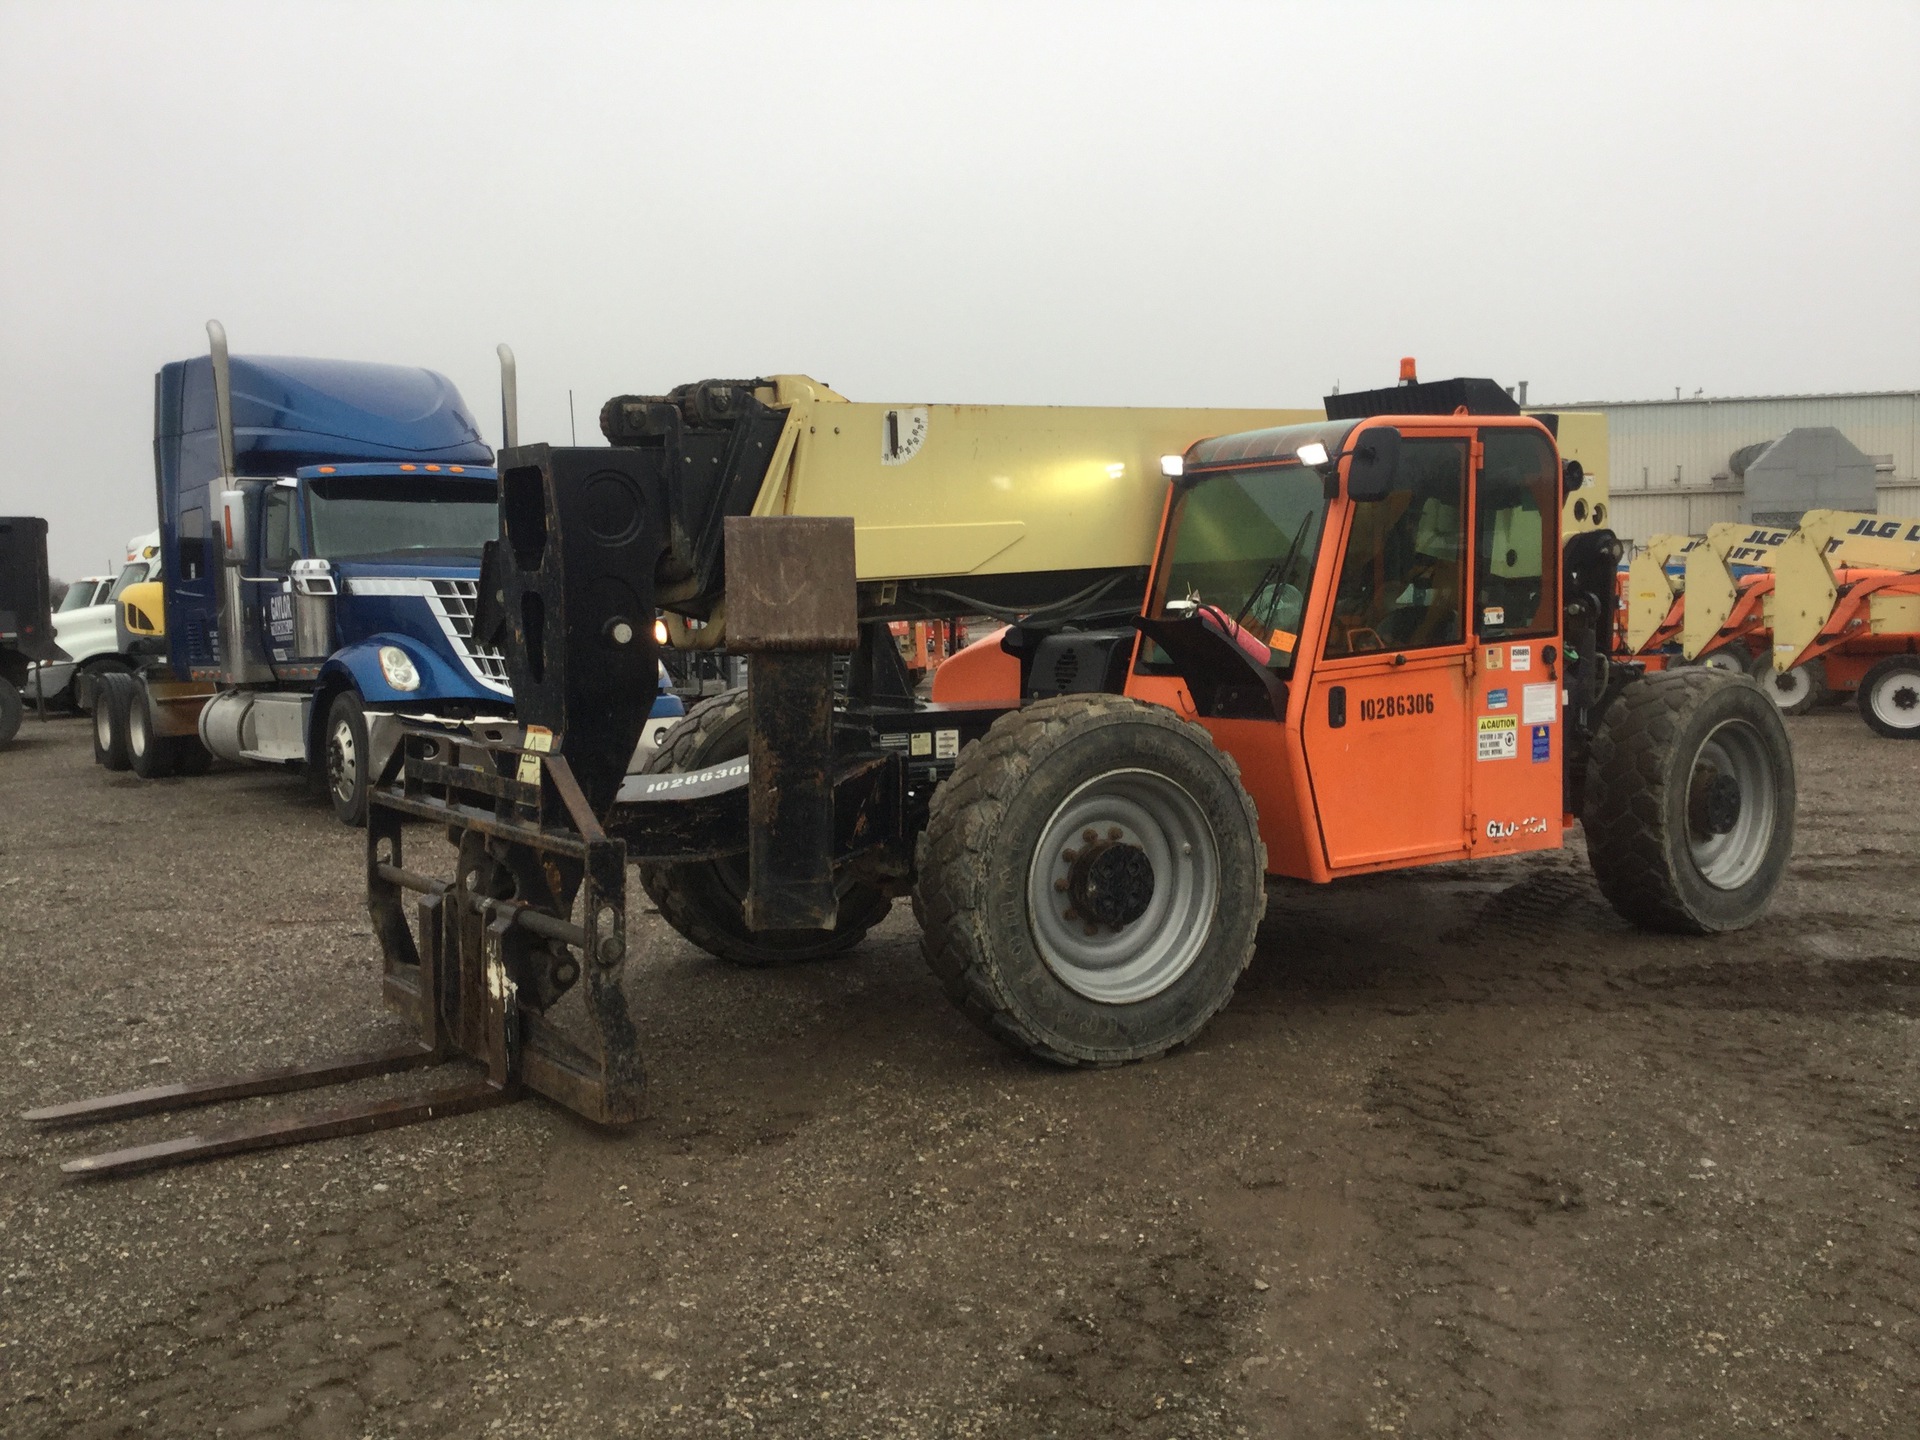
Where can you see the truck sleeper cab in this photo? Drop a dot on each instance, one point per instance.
(320, 532)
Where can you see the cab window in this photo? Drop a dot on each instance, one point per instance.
(1514, 536)
(1401, 576)
(276, 547)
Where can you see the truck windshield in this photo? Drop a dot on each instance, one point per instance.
(135, 572)
(1244, 543)
(370, 516)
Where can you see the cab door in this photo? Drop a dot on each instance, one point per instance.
(1388, 703)
(269, 583)
(1514, 750)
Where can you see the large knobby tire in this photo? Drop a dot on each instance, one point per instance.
(149, 754)
(110, 699)
(1690, 802)
(344, 758)
(1090, 880)
(706, 901)
(1795, 691)
(12, 710)
(1889, 698)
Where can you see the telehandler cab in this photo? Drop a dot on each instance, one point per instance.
(1355, 643)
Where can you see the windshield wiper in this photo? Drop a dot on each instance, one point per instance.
(1276, 571)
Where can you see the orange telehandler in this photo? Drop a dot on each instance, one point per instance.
(1368, 641)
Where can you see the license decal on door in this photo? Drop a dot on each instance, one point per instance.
(1499, 737)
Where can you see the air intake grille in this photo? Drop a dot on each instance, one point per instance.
(457, 600)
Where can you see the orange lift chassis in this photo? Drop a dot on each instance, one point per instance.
(1350, 644)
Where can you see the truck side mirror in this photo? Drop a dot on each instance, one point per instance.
(1375, 457)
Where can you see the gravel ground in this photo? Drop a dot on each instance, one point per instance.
(1465, 1156)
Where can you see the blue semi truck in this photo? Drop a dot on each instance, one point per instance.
(321, 526)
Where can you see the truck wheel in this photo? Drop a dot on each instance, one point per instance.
(1690, 799)
(345, 758)
(149, 755)
(1889, 698)
(85, 687)
(11, 711)
(1798, 690)
(1090, 880)
(111, 691)
(705, 901)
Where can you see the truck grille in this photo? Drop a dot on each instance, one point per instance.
(456, 600)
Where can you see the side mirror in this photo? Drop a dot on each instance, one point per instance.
(1376, 455)
(1572, 476)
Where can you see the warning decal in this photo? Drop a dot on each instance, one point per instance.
(1499, 737)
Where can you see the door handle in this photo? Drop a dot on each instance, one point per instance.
(1336, 706)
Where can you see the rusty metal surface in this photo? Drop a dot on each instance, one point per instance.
(290, 1130)
(156, 1099)
(790, 839)
(790, 583)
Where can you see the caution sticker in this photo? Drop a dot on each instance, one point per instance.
(922, 743)
(946, 744)
(1499, 737)
(1542, 743)
(538, 737)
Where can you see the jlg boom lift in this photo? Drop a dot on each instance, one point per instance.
(1373, 640)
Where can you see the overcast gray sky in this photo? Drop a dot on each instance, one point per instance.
(1043, 203)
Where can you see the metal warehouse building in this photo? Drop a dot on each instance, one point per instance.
(1669, 460)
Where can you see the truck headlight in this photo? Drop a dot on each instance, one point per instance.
(397, 666)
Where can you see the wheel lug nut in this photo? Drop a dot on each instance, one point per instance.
(1069, 856)
(1113, 832)
(1093, 929)
(1089, 835)
(1060, 885)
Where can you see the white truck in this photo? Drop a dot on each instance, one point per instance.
(84, 628)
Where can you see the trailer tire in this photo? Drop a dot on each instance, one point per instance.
(344, 759)
(1174, 873)
(111, 693)
(704, 901)
(1690, 802)
(1889, 698)
(12, 711)
(149, 755)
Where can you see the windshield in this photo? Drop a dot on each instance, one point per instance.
(370, 516)
(79, 595)
(1244, 543)
(135, 572)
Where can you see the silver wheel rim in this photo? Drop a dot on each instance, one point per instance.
(1789, 689)
(343, 761)
(1734, 751)
(136, 728)
(1722, 660)
(1123, 963)
(1895, 699)
(102, 722)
